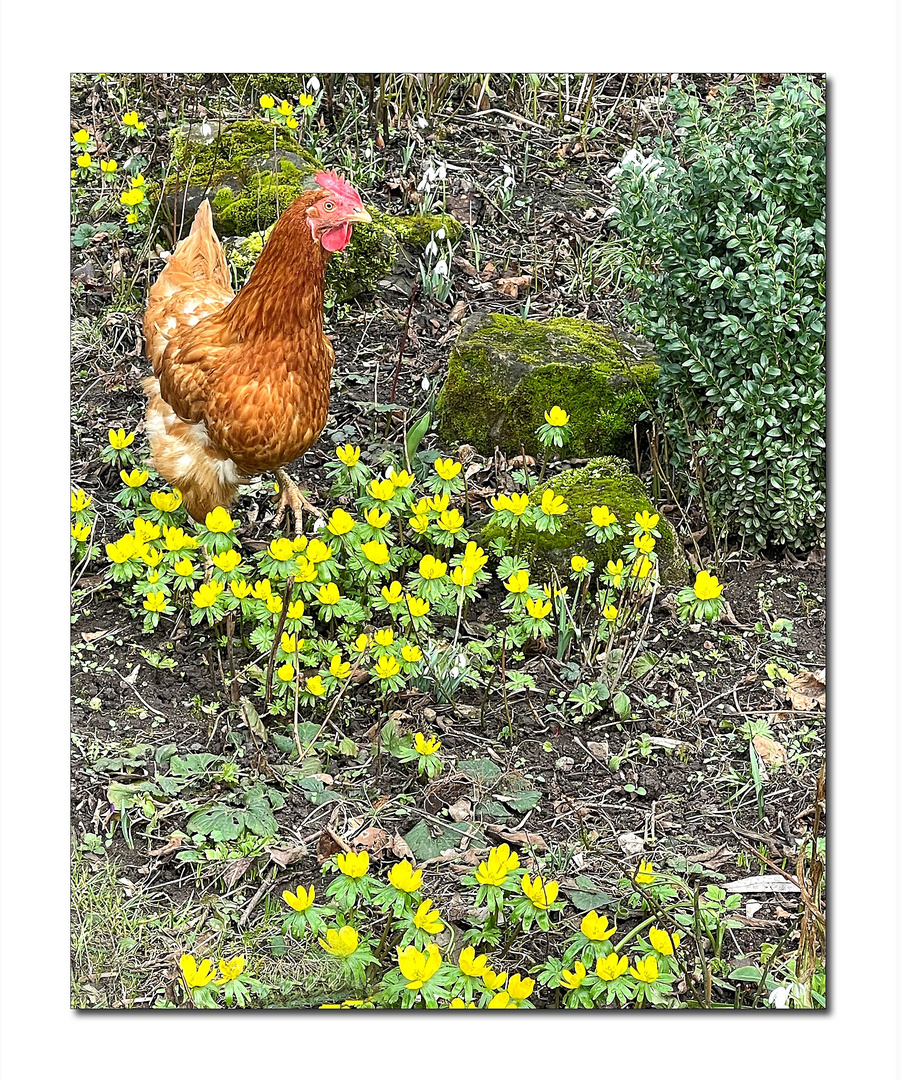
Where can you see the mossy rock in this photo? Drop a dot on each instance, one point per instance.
(505, 372)
(604, 481)
(251, 170)
(373, 252)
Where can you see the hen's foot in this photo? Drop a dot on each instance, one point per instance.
(290, 496)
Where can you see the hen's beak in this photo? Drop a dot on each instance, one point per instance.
(360, 216)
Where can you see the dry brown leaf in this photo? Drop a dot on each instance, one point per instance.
(712, 859)
(329, 845)
(806, 690)
(373, 840)
(488, 271)
(630, 843)
(284, 856)
(401, 848)
(510, 286)
(513, 836)
(461, 810)
(771, 752)
(236, 870)
(173, 845)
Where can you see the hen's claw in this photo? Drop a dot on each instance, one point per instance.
(290, 496)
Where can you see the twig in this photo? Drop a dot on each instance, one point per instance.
(403, 342)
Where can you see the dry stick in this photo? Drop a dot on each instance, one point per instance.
(403, 342)
(278, 636)
(328, 715)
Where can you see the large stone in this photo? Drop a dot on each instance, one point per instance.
(505, 372)
(605, 481)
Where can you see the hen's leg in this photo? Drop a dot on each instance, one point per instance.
(289, 495)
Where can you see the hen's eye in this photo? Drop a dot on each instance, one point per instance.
(329, 206)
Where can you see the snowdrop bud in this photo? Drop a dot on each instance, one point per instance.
(425, 384)
(441, 268)
(421, 122)
(313, 84)
(440, 234)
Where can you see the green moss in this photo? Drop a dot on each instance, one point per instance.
(604, 481)
(504, 372)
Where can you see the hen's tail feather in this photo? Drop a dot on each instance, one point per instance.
(182, 454)
(200, 254)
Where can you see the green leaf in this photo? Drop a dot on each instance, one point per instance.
(746, 974)
(587, 895)
(621, 706)
(482, 770)
(219, 823)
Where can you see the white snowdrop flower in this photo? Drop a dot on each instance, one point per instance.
(440, 234)
(441, 268)
(779, 997)
(367, 153)
(431, 247)
(421, 122)
(425, 384)
(313, 84)
(205, 129)
(441, 172)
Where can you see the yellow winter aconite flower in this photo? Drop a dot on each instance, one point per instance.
(431, 568)
(286, 673)
(81, 137)
(80, 530)
(502, 1001)
(419, 523)
(541, 893)
(646, 970)
(122, 550)
(281, 550)
(519, 988)
(348, 455)
(296, 609)
(306, 100)
(473, 965)
(417, 606)
(227, 560)
(518, 503)
(538, 609)
(646, 520)
(241, 589)
(595, 927)
(615, 569)
(108, 166)
(474, 558)
(386, 667)
(135, 479)
(400, 479)
(426, 746)
(376, 552)
(219, 520)
(642, 567)
(405, 878)
(267, 102)
(383, 490)
(166, 501)
(145, 530)
(314, 686)
(360, 643)
(318, 552)
(461, 576)
(262, 590)
(83, 161)
(501, 861)
(578, 563)
(378, 519)
(645, 873)
(500, 502)
(493, 980)
(459, 1003)
(393, 594)
(302, 900)
(662, 942)
(611, 966)
(274, 605)
(447, 468)
(412, 654)
(156, 601)
(418, 967)
(518, 582)
(177, 539)
(138, 181)
(131, 219)
(439, 503)
(338, 667)
(286, 108)
(644, 543)
(353, 864)
(185, 568)
(130, 119)
(340, 523)
(152, 558)
(341, 943)
(384, 637)
(131, 197)
(118, 440)
(230, 969)
(553, 505)
(610, 613)
(207, 594)
(706, 586)
(450, 521)
(195, 976)
(427, 920)
(329, 594)
(572, 980)
(601, 516)
(306, 571)
(80, 500)
(288, 643)
(557, 417)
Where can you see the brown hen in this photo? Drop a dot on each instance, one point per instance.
(240, 383)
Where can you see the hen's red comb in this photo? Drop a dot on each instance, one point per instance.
(334, 183)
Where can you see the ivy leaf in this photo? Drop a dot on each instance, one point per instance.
(219, 823)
